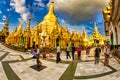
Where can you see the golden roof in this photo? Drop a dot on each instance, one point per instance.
(19, 29)
(27, 32)
(50, 20)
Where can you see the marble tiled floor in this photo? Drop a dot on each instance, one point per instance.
(54, 71)
(89, 68)
(2, 73)
(2, 53)
(12, 57)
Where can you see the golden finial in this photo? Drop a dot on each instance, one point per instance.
(66, 24)
(83, 30)
(78, 29)
(95, 27)
(52, 1)
(94, 23)
(20, 26)
(74, 27)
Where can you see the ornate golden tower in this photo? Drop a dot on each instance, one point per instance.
(74, 37)
(5, 32)
(83, 33)
(27, 34)
(10, 38)
(18, 34)
(84, 37)
(79, 35)
(96, 38)
(50, 20)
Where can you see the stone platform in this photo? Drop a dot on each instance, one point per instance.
(15, 65)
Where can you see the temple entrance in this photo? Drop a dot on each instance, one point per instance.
(22, 41)
(58, 41)
(33, 44)
(28, 42)
(3, 38)
(97, 41)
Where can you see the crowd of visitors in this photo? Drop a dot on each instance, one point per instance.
(71, 48)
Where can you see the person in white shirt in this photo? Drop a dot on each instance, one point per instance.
(106, 53)
(58, 59)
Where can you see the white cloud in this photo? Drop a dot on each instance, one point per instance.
(49, 3)
(63, 21)
(79, 10)
(0, 12)
(19, 6)
(2, 23)
(8, 10)
(4, 2)
(39, 3)
(4, 18)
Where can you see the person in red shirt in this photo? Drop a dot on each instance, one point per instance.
(79, 52)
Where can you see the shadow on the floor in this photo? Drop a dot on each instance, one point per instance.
(38, 69)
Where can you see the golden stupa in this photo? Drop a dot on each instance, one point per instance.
(49, 33)
(85, 38)
(18, 34)
(5, 32)
(75, 38)
(96, 38)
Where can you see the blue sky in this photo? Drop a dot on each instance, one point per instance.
(18, 9)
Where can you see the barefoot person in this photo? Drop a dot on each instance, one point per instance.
(38, 56)
(97, 54)
(34, 52)
(68, 52)
(79, 52)
(106, 53)
(73, 51)
(58, 54)
(87, 52)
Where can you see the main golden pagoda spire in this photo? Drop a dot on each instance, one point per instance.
(95, 27)
(51, 15)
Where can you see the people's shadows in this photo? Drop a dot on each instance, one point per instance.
(38, 69)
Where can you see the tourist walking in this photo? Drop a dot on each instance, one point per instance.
(106, 54)
(38, 56)
(34, 52)
(102, 47)
(58, 59)
(68, 52)
(97, 54)
(79, 52)
(73, 51)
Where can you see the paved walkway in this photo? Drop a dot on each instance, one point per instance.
(15, 65)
